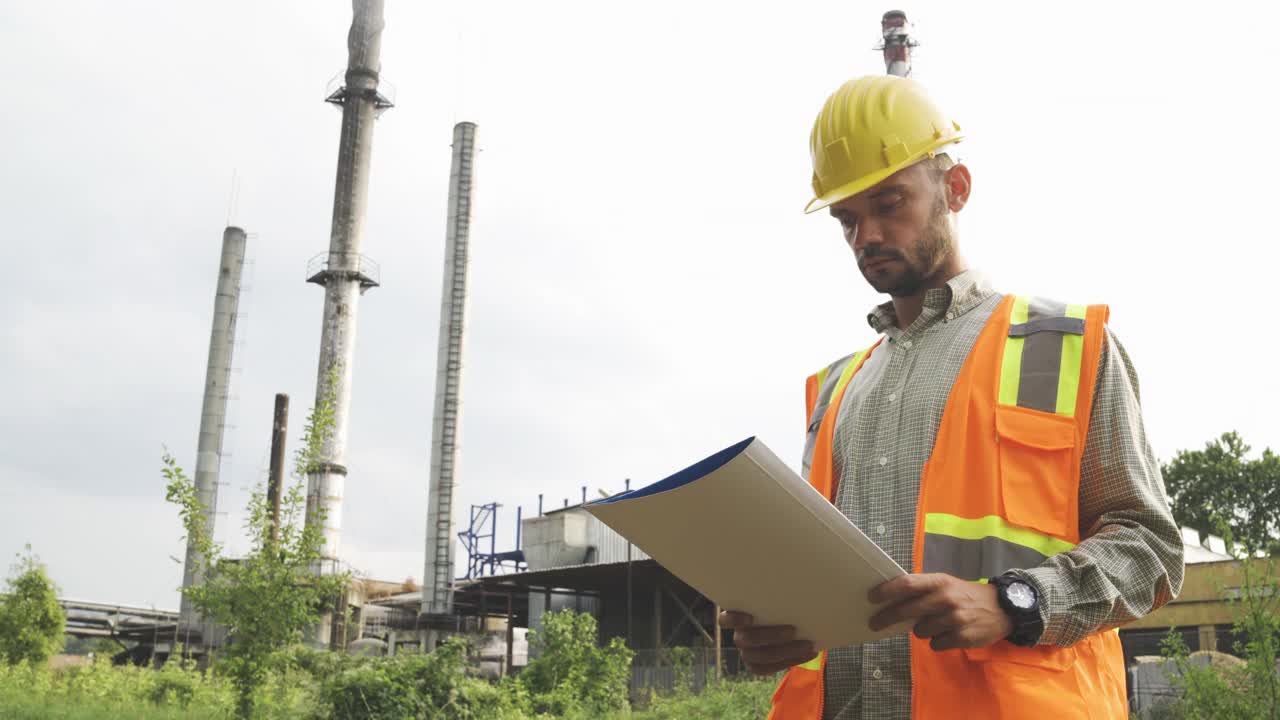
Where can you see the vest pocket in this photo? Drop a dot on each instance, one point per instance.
(1046, 657)
(1036, 452)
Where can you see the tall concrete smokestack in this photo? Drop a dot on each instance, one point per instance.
(437, 586)
(344, 272)
(896, 43)
(213, 412)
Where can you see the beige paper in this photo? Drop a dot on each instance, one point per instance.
(753, 536)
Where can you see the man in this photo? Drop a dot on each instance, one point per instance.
(991, 444)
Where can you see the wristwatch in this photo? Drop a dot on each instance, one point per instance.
(1019, 600)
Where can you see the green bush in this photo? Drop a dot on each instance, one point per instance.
(572, 674)
(681, 659)
(31, 621)
(572, 679)
(418, 686)
(1247, 692)
(727, 700)
(99, 690)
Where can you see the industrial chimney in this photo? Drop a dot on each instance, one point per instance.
(213, 412)
(343, 272)
(437, 587)
(896, 43)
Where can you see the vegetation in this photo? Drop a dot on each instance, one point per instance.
(572, 679)
(1220, 485)
(31, 621)
(1219, 490)
(572, 673)
(1247, 692)
(269, 597)
(728, 700)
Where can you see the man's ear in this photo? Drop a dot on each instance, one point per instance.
(959, 183)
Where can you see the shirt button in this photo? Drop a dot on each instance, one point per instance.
(877, 674)
(906, 344)
(880, 529)
(884, 460)
(893, 396)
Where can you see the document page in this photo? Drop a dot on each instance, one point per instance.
(747, 532)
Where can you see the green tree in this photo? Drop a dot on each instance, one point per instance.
(31, 621)
(269, 597)
(1221, 483)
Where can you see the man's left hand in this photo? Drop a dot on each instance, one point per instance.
(948, 612)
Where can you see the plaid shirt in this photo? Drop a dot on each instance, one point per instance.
(1130, 560)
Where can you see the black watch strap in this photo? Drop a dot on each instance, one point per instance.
(1027, 625)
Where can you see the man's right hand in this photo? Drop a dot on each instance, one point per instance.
(766, 649)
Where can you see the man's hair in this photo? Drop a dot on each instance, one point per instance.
(937, 166)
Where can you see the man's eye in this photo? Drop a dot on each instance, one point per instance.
(885, 208)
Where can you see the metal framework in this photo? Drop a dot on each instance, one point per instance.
(481, 563)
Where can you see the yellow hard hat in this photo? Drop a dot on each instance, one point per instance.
(869, 129)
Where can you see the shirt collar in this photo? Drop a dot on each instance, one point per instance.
(961, 294)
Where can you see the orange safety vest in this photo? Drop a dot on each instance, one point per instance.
(1000, 491)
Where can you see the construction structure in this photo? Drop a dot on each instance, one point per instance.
(213, 414)
(438, 571)
(345, 273)
(896, 42)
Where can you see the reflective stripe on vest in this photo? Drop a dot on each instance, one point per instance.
(1041, 365)
(823, 391)
(978, 549)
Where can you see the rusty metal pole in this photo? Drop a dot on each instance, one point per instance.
(511, 634)
(275, 476)
(630, 613)
(657, 624)
(719, 658)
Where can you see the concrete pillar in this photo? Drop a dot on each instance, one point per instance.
(1208, 637)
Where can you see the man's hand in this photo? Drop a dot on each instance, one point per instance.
(948, 612)
(766, 649)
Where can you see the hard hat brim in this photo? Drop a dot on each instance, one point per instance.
(866, 182)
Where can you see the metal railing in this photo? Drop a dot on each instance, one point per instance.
(364, 268)
(335, 92)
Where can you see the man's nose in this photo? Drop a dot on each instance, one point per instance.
(868, 234)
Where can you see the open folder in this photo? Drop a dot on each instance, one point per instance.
(744, 530)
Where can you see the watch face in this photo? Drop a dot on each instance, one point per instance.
(1021, 595)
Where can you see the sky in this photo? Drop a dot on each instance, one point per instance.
(645, 288)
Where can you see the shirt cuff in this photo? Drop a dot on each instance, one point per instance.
(1054, 608)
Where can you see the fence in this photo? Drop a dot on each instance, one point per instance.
(658, 670)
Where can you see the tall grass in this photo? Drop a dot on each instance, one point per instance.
(306, 688)
(177, 690)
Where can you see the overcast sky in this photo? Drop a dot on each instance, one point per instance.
(645, 288)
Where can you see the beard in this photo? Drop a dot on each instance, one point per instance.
(920, 263)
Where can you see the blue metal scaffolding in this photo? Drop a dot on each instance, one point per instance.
(481, 563)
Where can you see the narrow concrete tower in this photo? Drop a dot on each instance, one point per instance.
(344, 273)
(437, 586)
(213, 411)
